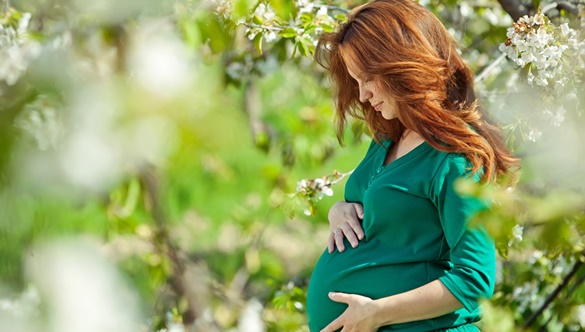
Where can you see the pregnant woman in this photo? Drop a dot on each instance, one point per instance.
(401, 254)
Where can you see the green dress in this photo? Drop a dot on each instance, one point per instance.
(415, 227)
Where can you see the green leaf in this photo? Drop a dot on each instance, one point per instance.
(302, 47)
(310, 28)
(257, 20)
(340, 18)
(288, 32)
(258, 42)
(306, 18)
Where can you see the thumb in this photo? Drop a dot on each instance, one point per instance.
(340, 297)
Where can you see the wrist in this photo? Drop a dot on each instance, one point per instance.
(383, 311)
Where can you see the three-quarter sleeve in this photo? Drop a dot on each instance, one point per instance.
(471, 251)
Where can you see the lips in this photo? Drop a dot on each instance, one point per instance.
(377, 107)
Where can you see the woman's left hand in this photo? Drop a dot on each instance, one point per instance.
(358, 317)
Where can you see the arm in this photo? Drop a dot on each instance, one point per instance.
(364, 314)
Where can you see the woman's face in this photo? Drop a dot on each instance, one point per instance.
(372, 91)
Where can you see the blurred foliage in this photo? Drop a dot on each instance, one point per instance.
(176, 132)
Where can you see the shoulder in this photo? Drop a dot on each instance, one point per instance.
(451, 167)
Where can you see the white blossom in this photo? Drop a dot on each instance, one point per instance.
(250, 319)
(305, 6)
(41, 121)
(517, 232)
(16, 50)
(222, 7)
(301, 185)
(555, 118)
(264, 12)
(533, 135)
(465, 9)
(26, 305)
(534, 41)
(327, 191)
(270, 36)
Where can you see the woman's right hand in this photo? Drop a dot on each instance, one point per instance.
(344, 222)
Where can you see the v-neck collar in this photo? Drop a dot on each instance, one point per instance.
(403, 159)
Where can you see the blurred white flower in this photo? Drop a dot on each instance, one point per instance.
(305, 6)
(327, 191)
(83, 291)
(533, 134)
(89, 160)
(222, 7)
(265, 13)
(159, 62)
(322, 17)
(41, 121)
(465, 9)
(270, 36)
(301, 185)
(16, 50)
(555, 118)
(175, 327)
(535, 256)
(250, 319)
(25, 306)
(517, 232)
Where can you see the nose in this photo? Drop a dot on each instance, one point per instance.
(365, 93)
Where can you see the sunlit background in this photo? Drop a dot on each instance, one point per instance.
(168, 165)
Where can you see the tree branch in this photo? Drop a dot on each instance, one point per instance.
(484, 73)
(253, 108)
(578, 264)
(561, 5)
(165, 246)
(516, 8)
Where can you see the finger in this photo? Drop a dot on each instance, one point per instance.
(340, 297)
(359, 210)
(339, 239)
(331, 243)
(334, 325)
(356, 228)
(350, 235)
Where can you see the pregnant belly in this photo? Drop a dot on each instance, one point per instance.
(362, 270)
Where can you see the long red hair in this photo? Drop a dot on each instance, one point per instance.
(408, 50)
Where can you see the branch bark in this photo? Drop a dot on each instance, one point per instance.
(253, 108)
(554, 294)
(516, 8)
(165, 245)
(561, 5)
